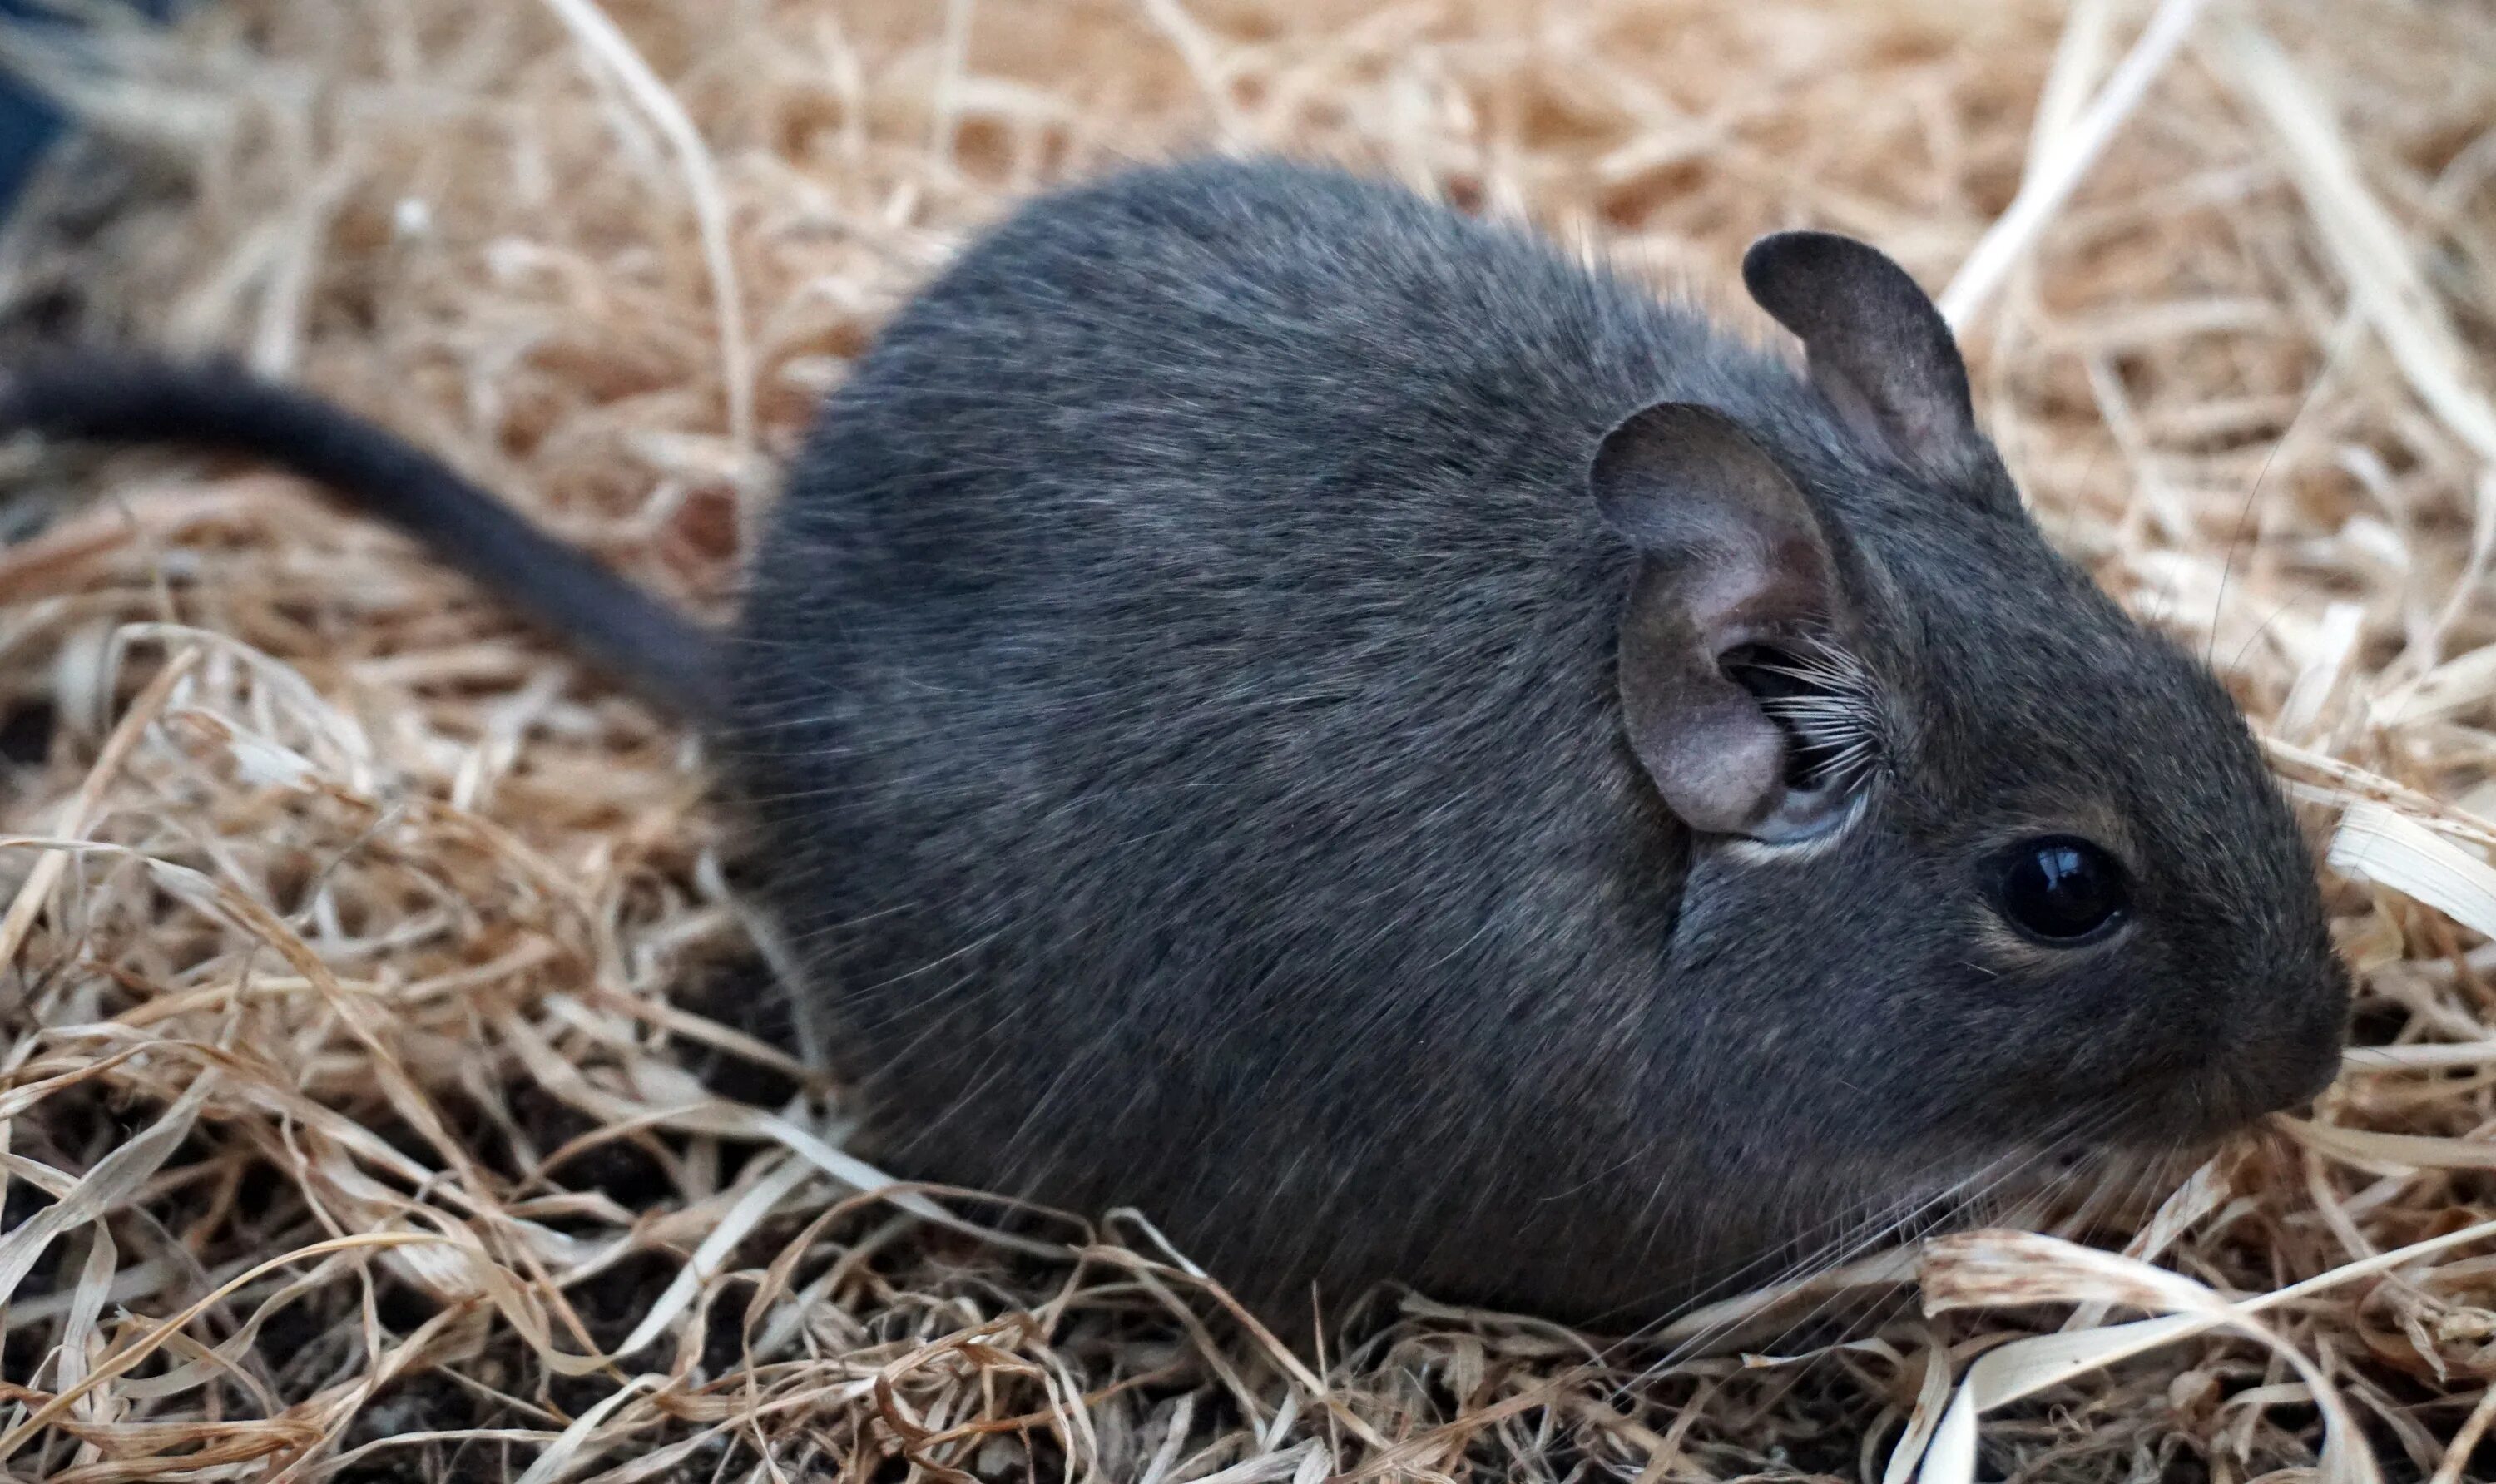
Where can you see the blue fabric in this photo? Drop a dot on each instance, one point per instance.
(27, 122)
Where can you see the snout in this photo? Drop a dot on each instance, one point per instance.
(2231, 1093)
(2273, 1070)
(2288, 1061)
(2306, 1071)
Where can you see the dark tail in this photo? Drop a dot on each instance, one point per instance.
(137, 399)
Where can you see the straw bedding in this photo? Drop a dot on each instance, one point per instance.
(390, 1087)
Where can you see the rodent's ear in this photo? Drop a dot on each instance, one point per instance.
(1733, 556)
(1880, 352)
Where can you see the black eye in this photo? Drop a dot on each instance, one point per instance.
(2059, 890)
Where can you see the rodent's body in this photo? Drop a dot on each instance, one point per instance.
(1176, 658)
(1216, 747)
(1183, 667)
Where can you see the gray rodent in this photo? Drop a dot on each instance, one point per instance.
(1404, 757)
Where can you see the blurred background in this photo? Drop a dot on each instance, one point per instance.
(2227, 276)
(29, 120)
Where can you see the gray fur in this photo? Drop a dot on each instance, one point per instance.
(1177, 700)
(1192, 708)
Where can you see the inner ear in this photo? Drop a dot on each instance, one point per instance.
(1732, 557)
(1880, 352)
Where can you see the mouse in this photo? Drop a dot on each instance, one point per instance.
(1404, 753)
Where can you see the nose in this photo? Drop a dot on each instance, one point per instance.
(2293, 1068)
(2322, 1070)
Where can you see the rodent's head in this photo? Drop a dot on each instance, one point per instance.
(2015, 859)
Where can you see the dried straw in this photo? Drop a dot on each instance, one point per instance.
(381, 1098)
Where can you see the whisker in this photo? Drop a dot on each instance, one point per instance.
(1910, 1218)
(1977, 1197)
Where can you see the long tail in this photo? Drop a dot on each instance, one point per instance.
(139, 399)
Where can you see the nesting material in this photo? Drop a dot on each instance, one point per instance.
(379, 1101)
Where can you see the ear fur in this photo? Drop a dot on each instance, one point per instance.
(1879, 352)
(1732, 555)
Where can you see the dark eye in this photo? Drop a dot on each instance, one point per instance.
(2059, 890)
